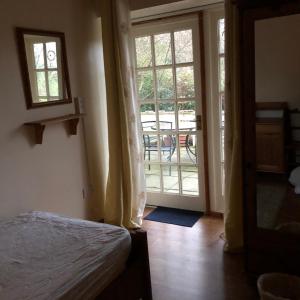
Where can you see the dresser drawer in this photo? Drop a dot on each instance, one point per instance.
(269, 128)
(270, 154)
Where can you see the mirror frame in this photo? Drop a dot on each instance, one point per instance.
(20, 33)
(255, 238)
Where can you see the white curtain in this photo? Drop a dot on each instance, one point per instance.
(233, 146)
(125, 194)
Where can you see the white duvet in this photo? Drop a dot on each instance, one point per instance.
(45, 256)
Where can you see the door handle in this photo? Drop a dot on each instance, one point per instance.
(199, 122)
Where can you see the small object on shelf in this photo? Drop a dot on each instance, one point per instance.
(78, 105)
(39, 126)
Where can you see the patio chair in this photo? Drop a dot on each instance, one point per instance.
(187, 142)
(167, 142)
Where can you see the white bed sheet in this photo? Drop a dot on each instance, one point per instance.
(295, 179)
(46, 256)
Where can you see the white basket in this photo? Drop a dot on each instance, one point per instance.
(278, 286)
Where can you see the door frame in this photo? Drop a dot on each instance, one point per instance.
(203, 173)
(211, 18)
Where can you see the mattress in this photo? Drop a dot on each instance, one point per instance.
(46, 256)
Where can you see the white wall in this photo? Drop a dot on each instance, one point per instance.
(93, 89)
(50, 176)
(277, 46)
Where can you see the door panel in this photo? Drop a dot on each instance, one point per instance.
(167, 57)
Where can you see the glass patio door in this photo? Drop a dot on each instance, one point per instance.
(167, 57)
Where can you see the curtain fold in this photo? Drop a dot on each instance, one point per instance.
(125, 194)
(233, 145)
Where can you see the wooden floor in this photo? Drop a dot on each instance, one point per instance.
(189, 263)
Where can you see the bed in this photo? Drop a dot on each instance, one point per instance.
(46, 256)
(290, 208)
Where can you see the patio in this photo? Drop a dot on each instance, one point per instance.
(170, 175)
(164, 170)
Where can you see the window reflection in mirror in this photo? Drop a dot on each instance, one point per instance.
(43, 61)
(277, 74)
(44, 66)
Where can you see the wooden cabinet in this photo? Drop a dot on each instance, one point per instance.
(270, 145)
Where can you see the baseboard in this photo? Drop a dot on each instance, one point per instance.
(150, 206)
(215, 214)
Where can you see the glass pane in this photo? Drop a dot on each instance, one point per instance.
(143, 51)
(165, 85)
(51, 55)
(222, 110)
(222, 145)
(53, 83)
(149, 126)
(296, 135)
(152, 173)
(223, 178)
(167, 116)
(145, 87)
(38, 56)
(187, 145)
(189, 175)
(150, 144)
(148, 116)
(41, 83)
(185, 82)
(168, 151)
(187, 115)
(295, 119)
(183, 46)
(170, 179)
(43, 99)
(222, 74)
(162, 45)
(221, 36)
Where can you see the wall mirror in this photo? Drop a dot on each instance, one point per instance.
(44, 67)
(277, 95)
(270, 101)
(271, 121)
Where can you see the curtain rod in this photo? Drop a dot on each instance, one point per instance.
(176, 12)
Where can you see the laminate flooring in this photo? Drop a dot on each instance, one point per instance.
(189, 263)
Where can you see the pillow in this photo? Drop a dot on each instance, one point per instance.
(295, 177)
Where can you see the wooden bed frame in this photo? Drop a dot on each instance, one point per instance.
(134, 282)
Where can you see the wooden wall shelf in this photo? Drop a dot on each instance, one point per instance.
(39, 126)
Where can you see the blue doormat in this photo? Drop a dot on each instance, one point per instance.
(174, 216)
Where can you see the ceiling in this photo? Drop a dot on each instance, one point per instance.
(147, 8)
